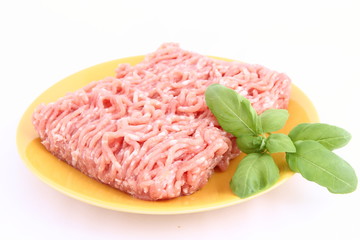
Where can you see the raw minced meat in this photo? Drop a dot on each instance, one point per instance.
(147, 131)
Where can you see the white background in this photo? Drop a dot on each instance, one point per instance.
(315, 42)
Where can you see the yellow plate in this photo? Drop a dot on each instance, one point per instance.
(59, 175)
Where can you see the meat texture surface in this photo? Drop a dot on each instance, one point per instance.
(147, 131)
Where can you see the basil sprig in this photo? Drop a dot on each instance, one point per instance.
(308, 146)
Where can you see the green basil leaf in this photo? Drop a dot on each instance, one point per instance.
(329, 136)
(318, 164)
(279, 142)
(233, 111)
(255, 173)
(273, 119)
(250, 144)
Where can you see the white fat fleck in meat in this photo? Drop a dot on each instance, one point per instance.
(176, 128)
(244, 92)
(241, 91)
(133, 137)
(162, 134)
(169, 118)
(173, 142)
(186, 82)
(268, 103)
(74, 155)
(201, 160)
(58, 137)
(116, 164)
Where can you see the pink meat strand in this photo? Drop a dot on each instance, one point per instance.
(148, 131)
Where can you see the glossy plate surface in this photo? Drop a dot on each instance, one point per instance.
(59, 175)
